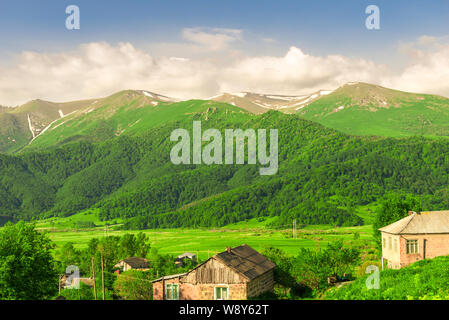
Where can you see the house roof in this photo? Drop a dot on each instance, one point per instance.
(246, 261)
(136, 262)
(420, 223)
(170, 277)
(242, 259)
(187, 255)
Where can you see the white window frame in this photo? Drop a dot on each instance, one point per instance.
(171, 290)
(224, 286)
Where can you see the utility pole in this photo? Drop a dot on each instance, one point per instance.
(60, 277)
(102, 274)
(294, 229)
(93, 275)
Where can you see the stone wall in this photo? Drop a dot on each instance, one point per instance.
(188, 291)
(158, 288)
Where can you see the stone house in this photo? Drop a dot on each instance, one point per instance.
(235, 274)
(420, 235)
(133, 263)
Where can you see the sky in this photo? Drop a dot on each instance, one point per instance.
(197, 48)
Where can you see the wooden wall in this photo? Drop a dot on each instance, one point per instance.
(213, 272)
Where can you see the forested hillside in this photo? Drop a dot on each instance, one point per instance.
(323, 174)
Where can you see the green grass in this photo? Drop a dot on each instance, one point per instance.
(207, 242)
(133, 117)
(373, 110)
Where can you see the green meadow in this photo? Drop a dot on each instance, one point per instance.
(207, 242)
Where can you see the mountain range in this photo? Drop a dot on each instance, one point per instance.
(340, 152)
(354, 108)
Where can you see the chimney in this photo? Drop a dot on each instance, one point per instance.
(410, 213)
(228, 249)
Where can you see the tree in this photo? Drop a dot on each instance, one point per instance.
(393, 208)
(134, 285)
(127, 246)
(27, 267)
(142, 245)
(340, 260)
(313, 267)
(68, 255)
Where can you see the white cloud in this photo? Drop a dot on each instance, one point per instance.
(212, 39)
(297, 72)
(428, 69)
(100, 69)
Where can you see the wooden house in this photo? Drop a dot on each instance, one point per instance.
(234, 274)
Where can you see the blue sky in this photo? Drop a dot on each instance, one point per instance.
(319, 27)
(198, 48)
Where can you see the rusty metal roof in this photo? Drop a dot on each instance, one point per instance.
(420, 223)
(246, 261)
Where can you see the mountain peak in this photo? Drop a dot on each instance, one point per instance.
(260, 103)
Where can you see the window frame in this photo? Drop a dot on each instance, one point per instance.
(221, 292)
(412, 243)
(169, 288)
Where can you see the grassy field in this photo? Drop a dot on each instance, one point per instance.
(207, 242)
(365, 109)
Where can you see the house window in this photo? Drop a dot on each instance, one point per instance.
(384, 243)
(172, 291)
(412, 246)
(396, 245)
(221, 293)
(389, 243)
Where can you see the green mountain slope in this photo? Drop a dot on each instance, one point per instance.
(323, 174)
(364, 109)
(111, 156)
(355, 108)
(19, 125)
(124, 113)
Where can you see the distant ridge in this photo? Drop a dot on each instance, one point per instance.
(355, 108)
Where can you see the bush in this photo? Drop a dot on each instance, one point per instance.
(426, 279)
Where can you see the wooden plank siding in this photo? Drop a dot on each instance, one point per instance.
(213, 272)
